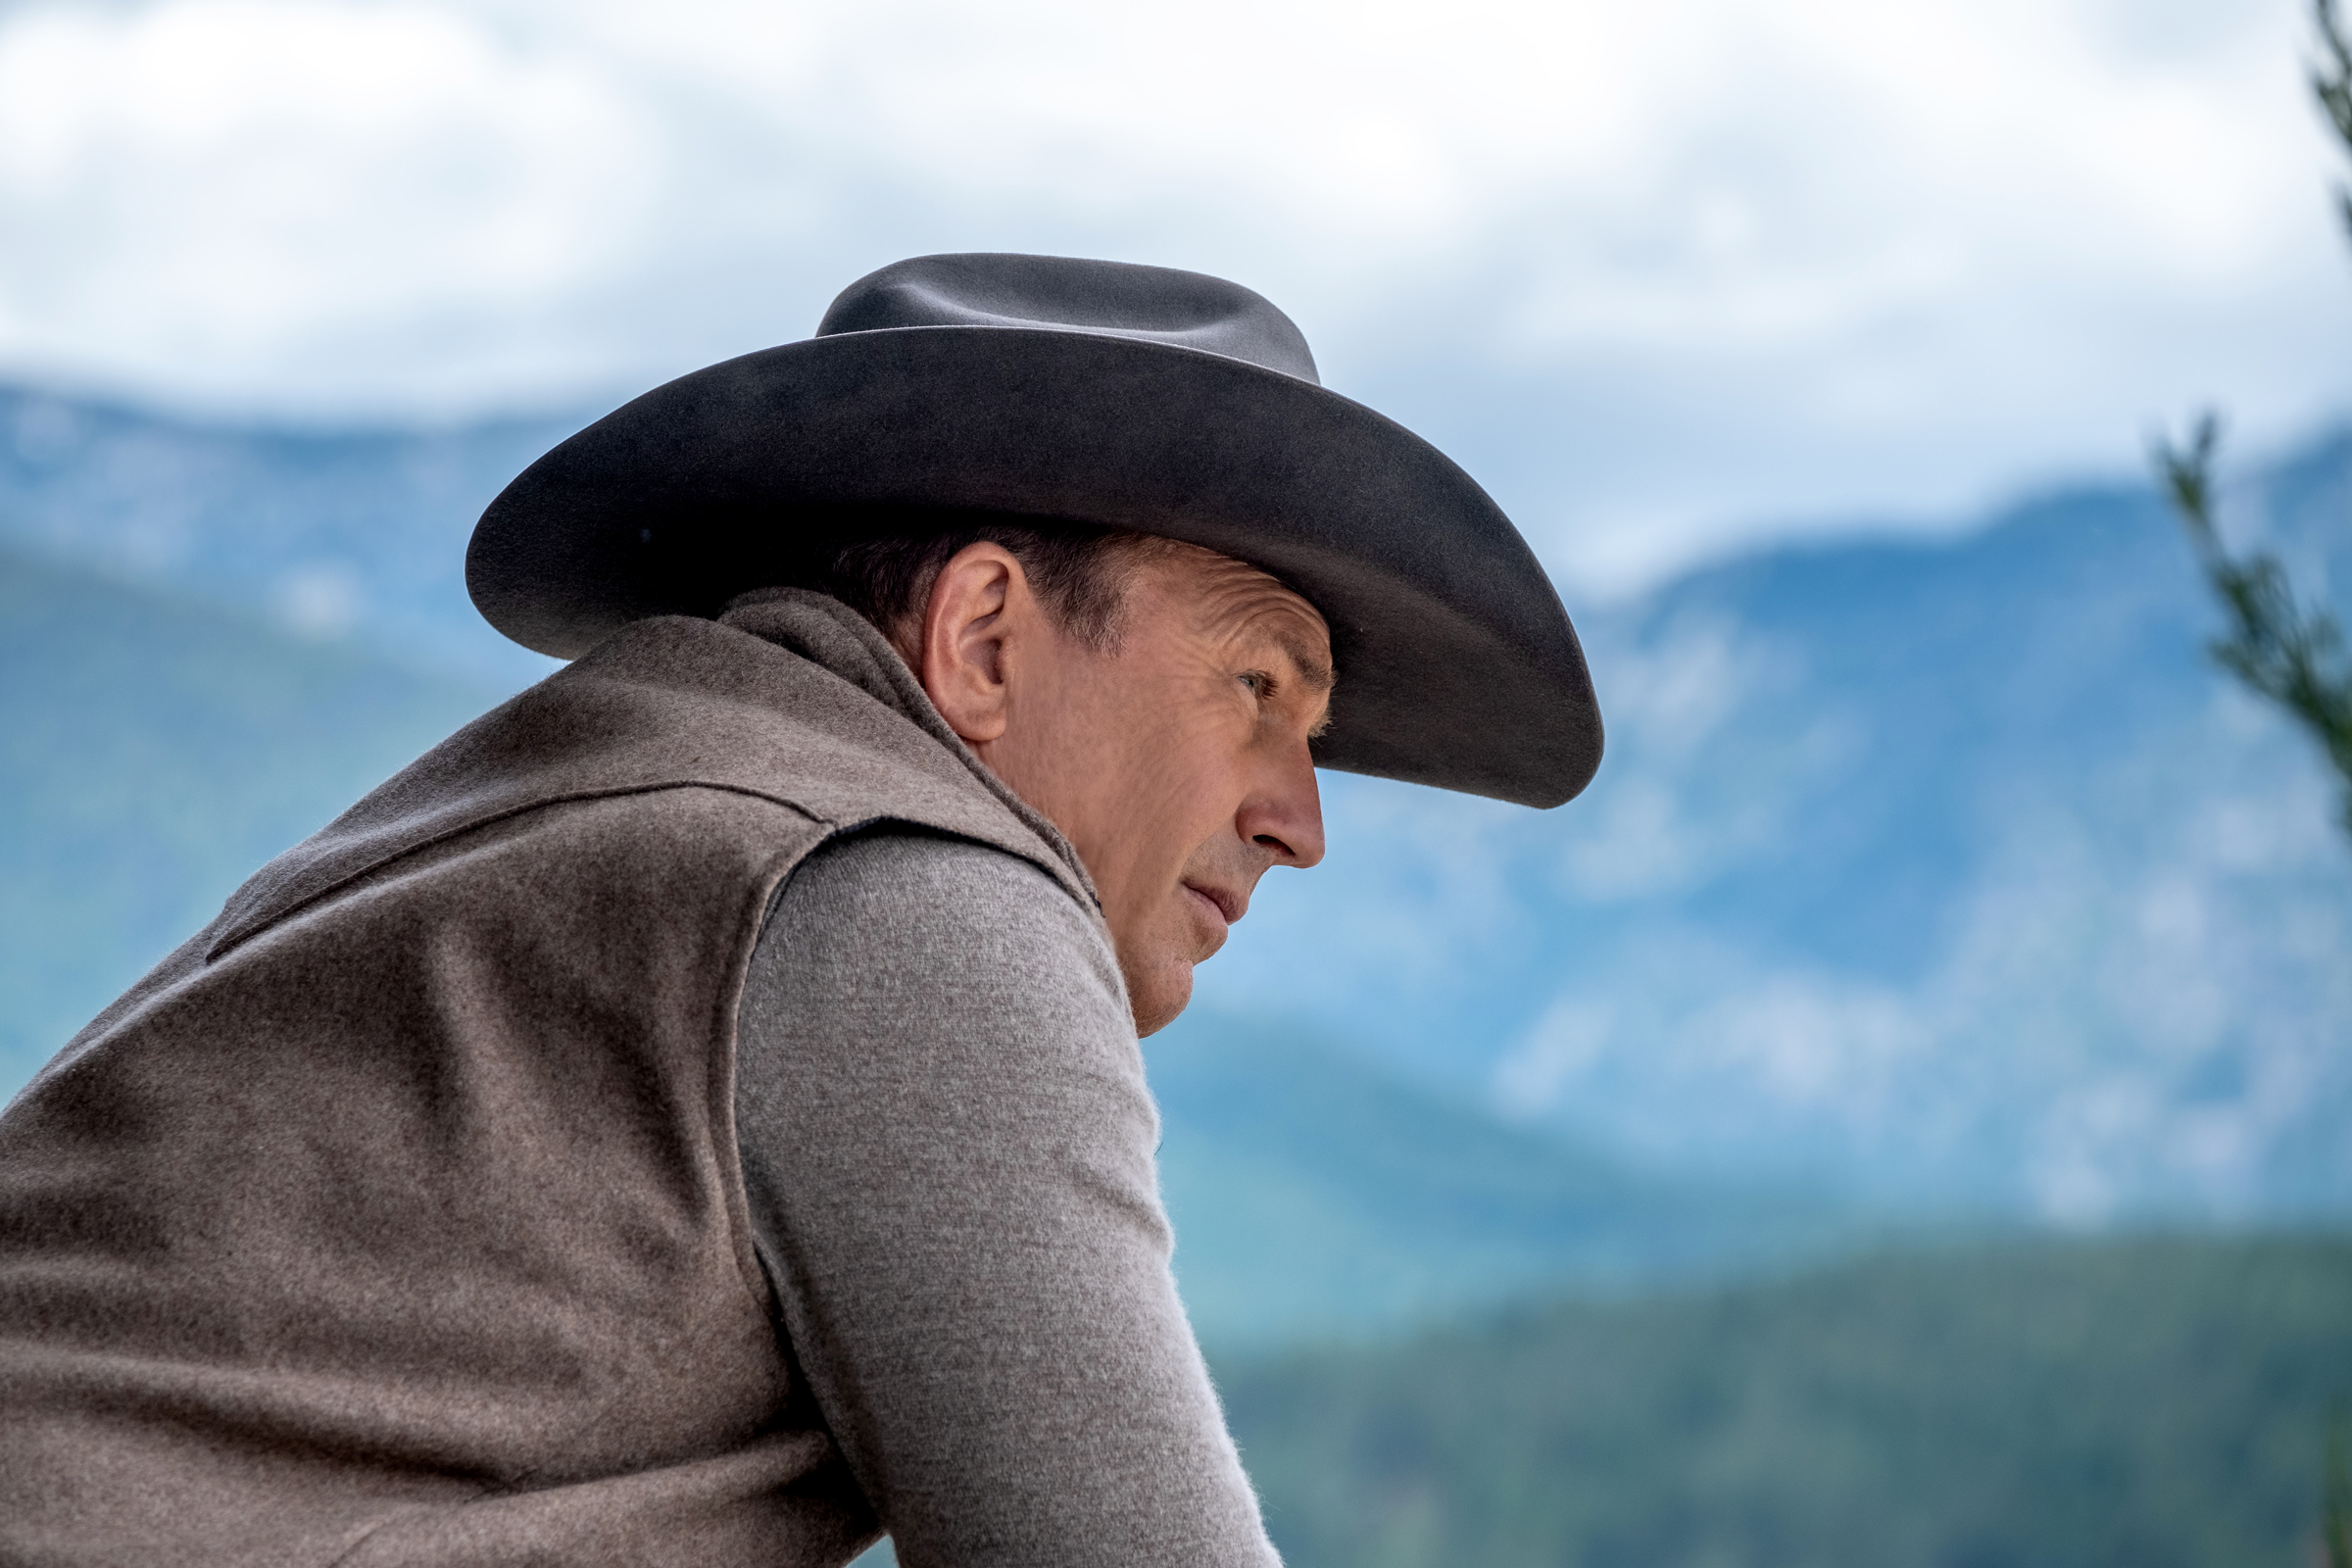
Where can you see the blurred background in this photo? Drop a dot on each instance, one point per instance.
(1902, 1114)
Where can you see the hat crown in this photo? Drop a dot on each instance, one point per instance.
(1063, 294)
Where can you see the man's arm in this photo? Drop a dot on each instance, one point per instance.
(947, 1144)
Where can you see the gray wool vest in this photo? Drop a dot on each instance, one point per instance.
(397, 1217)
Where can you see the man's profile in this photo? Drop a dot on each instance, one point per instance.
(695, 1114)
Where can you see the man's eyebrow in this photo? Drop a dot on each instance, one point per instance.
(1313, 667)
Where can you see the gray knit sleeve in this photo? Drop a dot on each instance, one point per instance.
(948, 1146)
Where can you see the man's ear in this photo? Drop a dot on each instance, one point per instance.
(975, 625)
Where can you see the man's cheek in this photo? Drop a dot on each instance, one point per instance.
(1197, 778)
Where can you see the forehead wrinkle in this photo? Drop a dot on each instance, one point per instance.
(1229, 594)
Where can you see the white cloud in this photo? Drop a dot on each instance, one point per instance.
(1663, 275)
(259, 199)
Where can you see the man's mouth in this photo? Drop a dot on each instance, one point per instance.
(1227, 906)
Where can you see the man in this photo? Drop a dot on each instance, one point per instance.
(694, 1114)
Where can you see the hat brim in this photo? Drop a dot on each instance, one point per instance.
(1458, 664)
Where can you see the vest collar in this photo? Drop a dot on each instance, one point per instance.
(837, 639)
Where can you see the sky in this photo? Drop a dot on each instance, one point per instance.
(1672, 280)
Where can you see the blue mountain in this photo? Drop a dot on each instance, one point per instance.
(354, 535)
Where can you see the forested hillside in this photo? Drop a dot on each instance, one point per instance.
(2150, 1403)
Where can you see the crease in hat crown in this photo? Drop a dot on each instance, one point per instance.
(1060, 294)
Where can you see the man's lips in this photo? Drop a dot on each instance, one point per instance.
(1229, 906)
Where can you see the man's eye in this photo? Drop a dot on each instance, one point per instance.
(1259, 682)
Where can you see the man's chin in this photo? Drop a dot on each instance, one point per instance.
(1156, 997)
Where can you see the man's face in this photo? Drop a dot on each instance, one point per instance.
(1177, 763)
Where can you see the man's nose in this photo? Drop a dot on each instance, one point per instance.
(1283, 814)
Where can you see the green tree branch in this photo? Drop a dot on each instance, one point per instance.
(2290, 655)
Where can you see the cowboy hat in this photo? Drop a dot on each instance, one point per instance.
(1043, 388)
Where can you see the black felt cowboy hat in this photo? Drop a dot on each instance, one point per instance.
(1095, 392)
